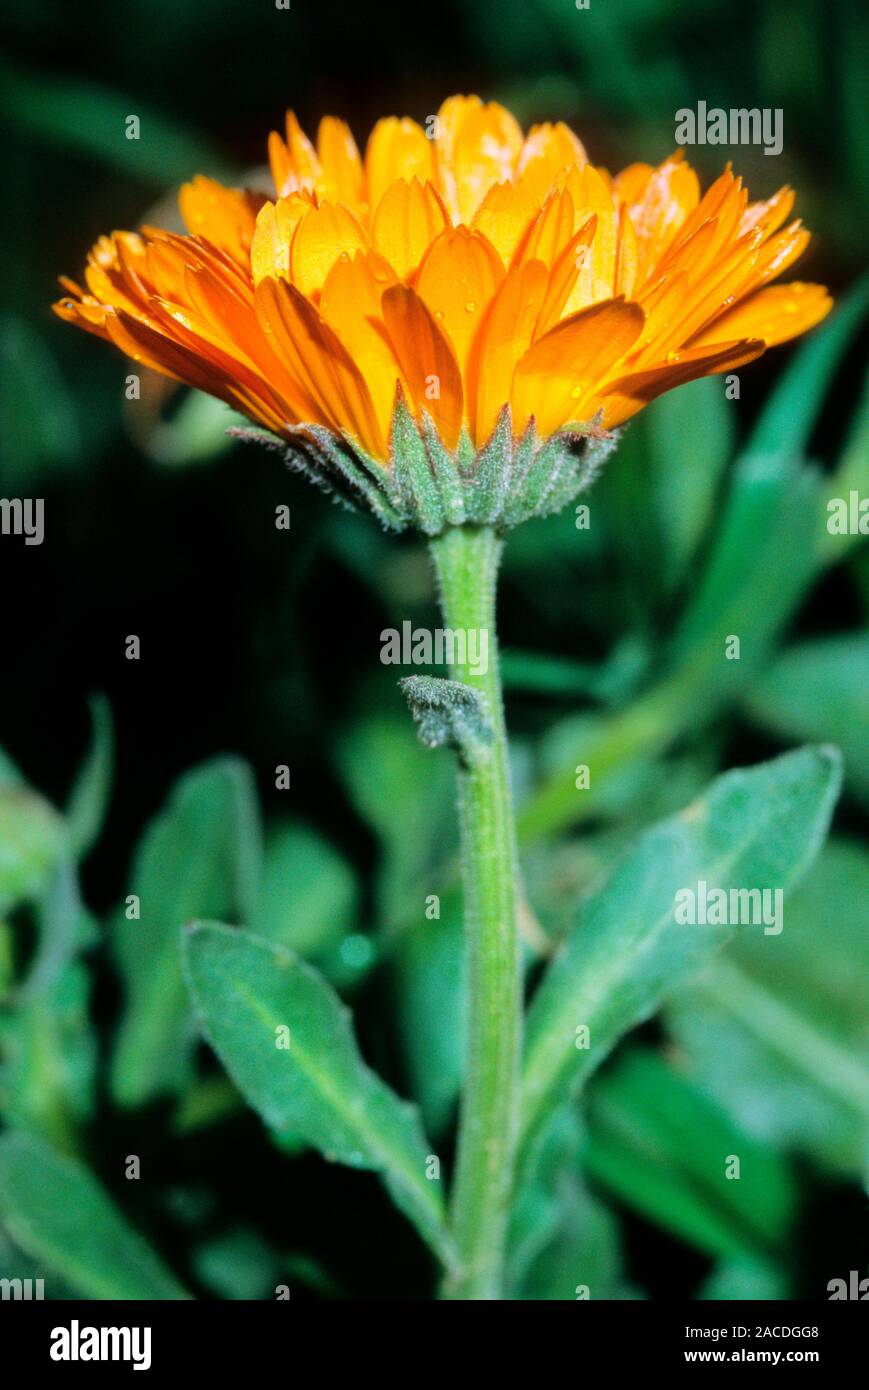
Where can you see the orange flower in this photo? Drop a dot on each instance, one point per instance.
(460, 273)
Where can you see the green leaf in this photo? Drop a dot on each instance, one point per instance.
(238, 1264)
(90, 795)
(776, 1031)
(54, 1209)
(761, 565)
(657, 1143)
(850, 475)
(48, 1056)
(584, 1254)
(690, 435)
(194, 434)
(408, 798)
(33, 839)
(307, 897)
(64, 927)
(199, 857)
(767, 550)
(787, 421)
(819, 690)
(759, 827)
(746, 1278)
(41, 435)
(70, 114)
(551, 675)
(428, 967)
(546, 1171)
(246, 991)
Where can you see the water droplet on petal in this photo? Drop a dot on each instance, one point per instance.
(470, 306)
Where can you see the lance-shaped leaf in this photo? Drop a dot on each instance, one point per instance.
(820, 690)
(56, 1211)
(33, 839)
(756, 828)
(660, 1145)
(199, 858)
(776, 1030)
(91, 792)
(286, 1040)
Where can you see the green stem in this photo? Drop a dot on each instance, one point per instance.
(466, 561)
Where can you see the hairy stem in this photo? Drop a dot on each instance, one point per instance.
(466, 562)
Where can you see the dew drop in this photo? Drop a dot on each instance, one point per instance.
(470, 306)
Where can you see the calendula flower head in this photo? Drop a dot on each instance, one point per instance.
(449, 328)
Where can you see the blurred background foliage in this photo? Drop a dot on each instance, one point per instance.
(260, 647)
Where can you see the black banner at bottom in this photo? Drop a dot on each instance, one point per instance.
(159, 1339)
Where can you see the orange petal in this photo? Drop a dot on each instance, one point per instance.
(547, 150)
(723, 204)
(457, 280)
(428, 363)
(624, 396)
(771, 214)
(505, 217)
(305, 170)
(564, 275)
(593, 196)
(552, 230)
(319, 362)
(233, 324)
(627, 255)
(340, 162)
(630, 183)
(774, 314)
(505, 335)
(564, 368)
(780, 252)
(350, 304)
(275, 225)
(408, 218)
(484, 152)
(225, 216)
(728, 278)
(154, 349)
(83, 313)
(448, 124)
(659, 212)
(323, 234)
(114, 281)
(396, 149)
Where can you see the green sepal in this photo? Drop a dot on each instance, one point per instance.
(366, 483)
(428, 487)
(487, 488)
(412, 468)
(446, 470)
